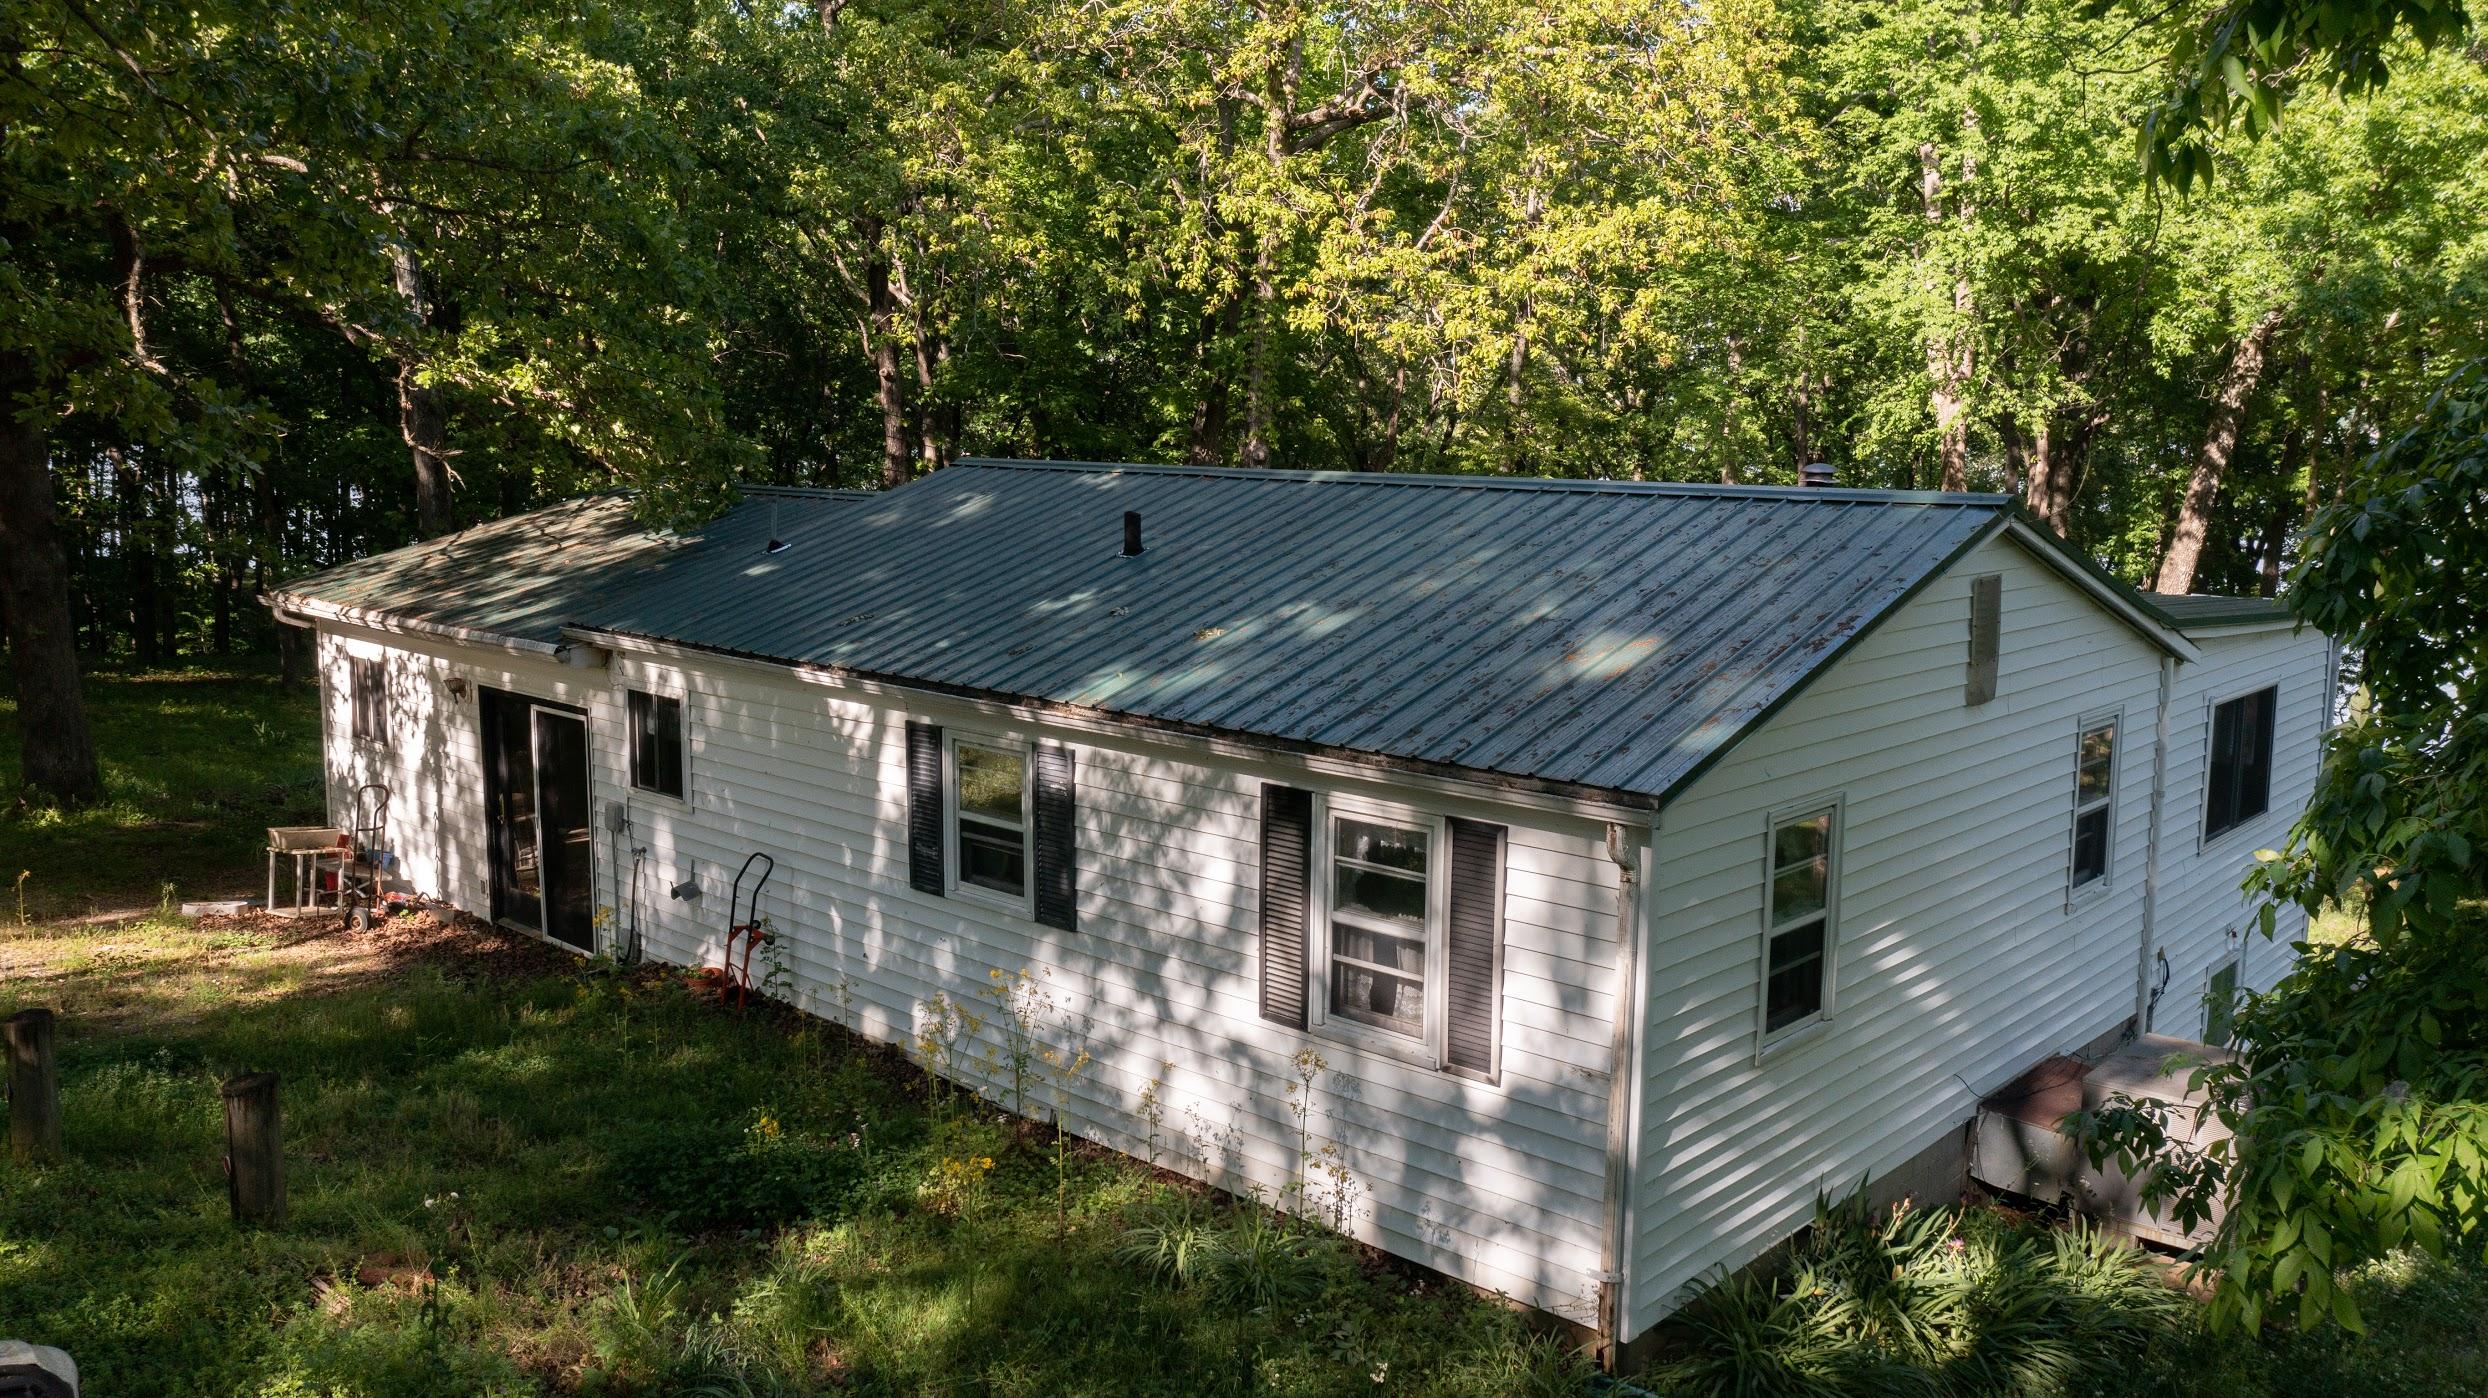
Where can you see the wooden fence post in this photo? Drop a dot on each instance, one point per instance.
(34, 1087)
(254, 1151)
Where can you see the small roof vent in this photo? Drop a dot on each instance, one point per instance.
(775, 544)
(1818, 473)
(1131, 533)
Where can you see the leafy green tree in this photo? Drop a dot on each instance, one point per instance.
(2355, 1108)
(2235, 64)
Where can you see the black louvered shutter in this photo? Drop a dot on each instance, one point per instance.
(1055, 845)
(1475, 1001)
(924, 807)
(1286, 868)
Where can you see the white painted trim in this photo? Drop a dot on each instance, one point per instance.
(2157, 833)
(1141, 734)
(2051, 553)
(1024, 905)
(1428, 1053)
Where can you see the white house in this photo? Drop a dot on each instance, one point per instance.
(1638, 860)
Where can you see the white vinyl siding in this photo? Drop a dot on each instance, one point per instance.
(2204, 915)
(1958, 962)
(1499, 1185)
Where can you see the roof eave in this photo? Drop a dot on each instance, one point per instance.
(1588, 802)
(400, 623)
(2104, 587)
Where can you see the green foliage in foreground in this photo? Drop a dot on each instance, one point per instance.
(2358, 1107)
(1935, 1301)
(475, 1209)
(1978, 1301)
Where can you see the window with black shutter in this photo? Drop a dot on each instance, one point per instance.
(1383, 925)
(2238, 782)
(656, 743)
(994, 819)
(370, 698)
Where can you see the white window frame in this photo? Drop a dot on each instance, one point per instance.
(655, 686)
(1430, 1051)
(2203, 840)
(2080, 893)
(1768, 1041)
(1024, 903)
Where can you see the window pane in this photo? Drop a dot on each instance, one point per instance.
(1801, 840)
(2090, 846)
(1396, 1003)
(1793, 990)
(991, 857)
(1380, 949)
(1394, 897)
(1798, 892)
(2098, 763)
(1370, 842)
(990, 782)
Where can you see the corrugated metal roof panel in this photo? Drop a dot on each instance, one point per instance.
(1606, 636)
(2198, 612)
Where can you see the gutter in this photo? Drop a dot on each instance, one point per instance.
(2151, 855)
(296, 610)
(1623, 1088)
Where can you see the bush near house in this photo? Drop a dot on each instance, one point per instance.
(513, 1172)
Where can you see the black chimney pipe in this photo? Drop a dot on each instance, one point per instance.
(1131, 533)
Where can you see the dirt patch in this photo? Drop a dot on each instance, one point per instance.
(458, 945)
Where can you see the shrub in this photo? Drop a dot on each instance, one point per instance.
(1927, 1302)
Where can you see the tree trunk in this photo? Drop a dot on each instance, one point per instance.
(881, 338)
(2185, 544)
(1949, 359)
(59, 755)
(138, 563)
(418, 413)
(2047, 478)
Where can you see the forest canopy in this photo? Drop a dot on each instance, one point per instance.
(291, 282)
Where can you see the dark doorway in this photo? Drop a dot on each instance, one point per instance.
(536, 804)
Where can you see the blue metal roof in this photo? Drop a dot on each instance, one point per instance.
(1587, 636)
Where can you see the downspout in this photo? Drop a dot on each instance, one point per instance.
(2151, 854)
(1623, 1086)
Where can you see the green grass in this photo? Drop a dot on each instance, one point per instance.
(512, 1172)
(196, 765)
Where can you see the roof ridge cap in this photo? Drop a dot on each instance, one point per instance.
(1553, 484)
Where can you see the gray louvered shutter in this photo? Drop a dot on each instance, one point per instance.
(1986, 622)
(924, 807)
(1053, 840)
(1473, 1043)
(1286, 872)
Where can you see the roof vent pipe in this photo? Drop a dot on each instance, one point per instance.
(1818, 473)
(1131, 533)
(776, 544)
